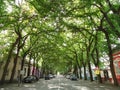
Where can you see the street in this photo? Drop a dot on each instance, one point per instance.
(60, 83)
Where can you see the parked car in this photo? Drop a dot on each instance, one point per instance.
(47, 77)
(73, 77)
(51, 76)
(30, 79)
(67, 76)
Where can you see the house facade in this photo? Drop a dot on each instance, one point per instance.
(116, 58)
(10, 67)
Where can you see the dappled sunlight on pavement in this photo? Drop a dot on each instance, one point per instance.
(80, 88)
(60, 83)
(51, 86)
(29, 85)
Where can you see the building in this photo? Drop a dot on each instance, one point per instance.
(10, 67)
(116, 58)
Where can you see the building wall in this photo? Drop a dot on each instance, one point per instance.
(9, 71)
(116, 57)
(18, 69)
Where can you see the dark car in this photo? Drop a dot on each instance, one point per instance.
(73, 77)
(30, 79)
(47, 77)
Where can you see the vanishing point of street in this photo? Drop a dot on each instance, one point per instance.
(60, 83)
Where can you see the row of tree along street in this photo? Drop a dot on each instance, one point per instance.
(59, 35)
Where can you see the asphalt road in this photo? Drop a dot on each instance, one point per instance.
(60, 83)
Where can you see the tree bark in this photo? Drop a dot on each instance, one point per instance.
(19, 46)
(85, 75)
(89, 66)
(90, 71)
(15, 63)
(23, 58)
(33, 70)
(111, 58)
(29, 66)
(8, 61)
(14, 67)
(79, 67)
(80, 72)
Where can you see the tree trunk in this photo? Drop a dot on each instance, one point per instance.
(75, 70)
(80, 72)
(111, 59)
(15, 64)
(29, 64)
(8, 61)
(22, 65)
(78, 65)
(96, 59)
(33, 71)
(89, 66)
(90, 71)
(23, 60)
(85, 75)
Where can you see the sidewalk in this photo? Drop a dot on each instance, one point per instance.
(12, 86)
(97, 85)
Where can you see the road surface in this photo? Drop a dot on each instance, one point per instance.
(60, 83)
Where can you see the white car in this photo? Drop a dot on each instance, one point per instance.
(51, 76)
(67, 76)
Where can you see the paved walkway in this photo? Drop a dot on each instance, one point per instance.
(60, 84)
